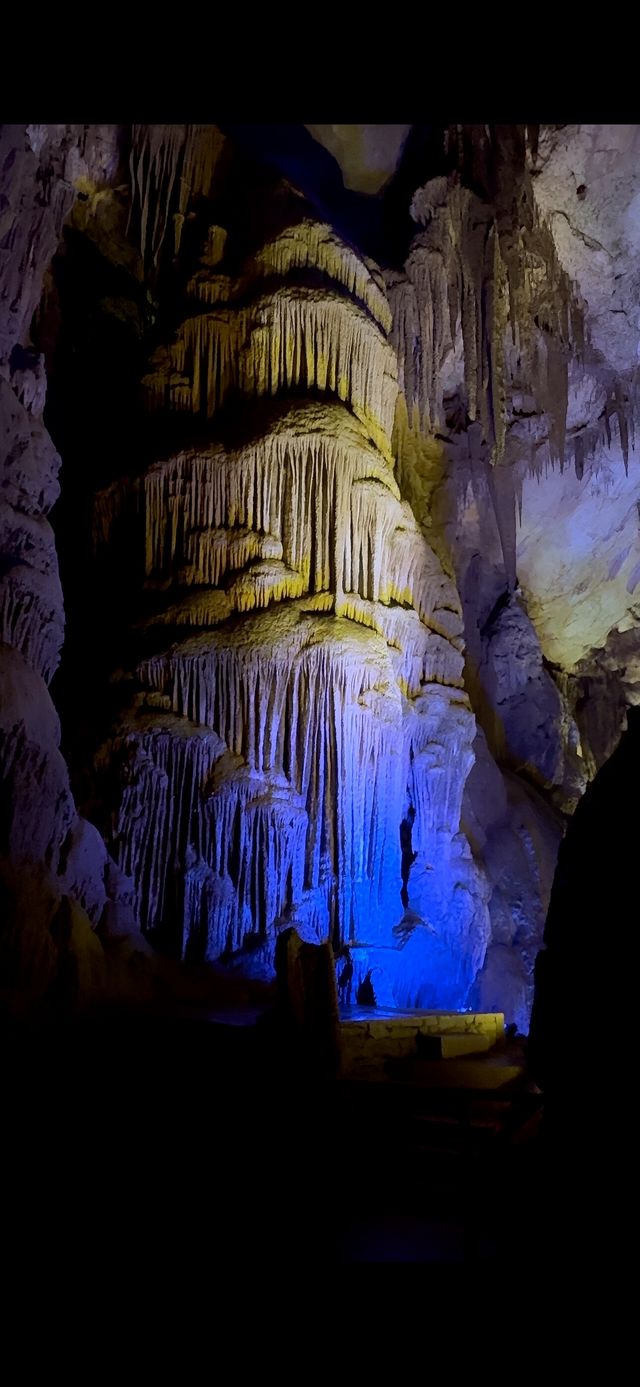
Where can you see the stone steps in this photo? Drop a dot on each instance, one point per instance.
(374, 1037)
(457, 1098)
(445, 1121)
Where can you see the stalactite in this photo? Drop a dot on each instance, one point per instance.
(344, 625)
(256, 830)
(200, 608)
(164, 764)
(282, 497)
(169, 164)
(108, 507)
(498, 316)
(477, 272)
(440, 758)
(423, 656)
(280, 692)
(31, 617)
(623, 425)
(502, 490)
(316, 246)
(295, 337)
(271, 691)
(305, 246)
(312, 502)
(554, 397)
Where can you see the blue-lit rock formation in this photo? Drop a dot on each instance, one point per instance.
(309, 701)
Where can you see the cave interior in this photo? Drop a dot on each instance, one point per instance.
(319, 660)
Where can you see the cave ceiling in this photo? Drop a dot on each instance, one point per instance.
(368, 155)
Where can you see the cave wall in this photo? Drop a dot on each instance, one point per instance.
(54, 863)
(358, 622)
(516, 446)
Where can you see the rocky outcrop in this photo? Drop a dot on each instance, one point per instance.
(587, 186)
(55, 874)
(604, 685)
(487, 348)
(472, 273)
(489, 326)
(526, 714)
(515, 836)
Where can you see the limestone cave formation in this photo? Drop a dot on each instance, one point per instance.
(320, 544)
(319, 538)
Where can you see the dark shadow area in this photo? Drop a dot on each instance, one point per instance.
(94, 328)
(152, 1142)
(583, 1042)
(408, 856)
(379, 225)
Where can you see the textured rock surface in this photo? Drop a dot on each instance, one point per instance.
(380, 523)
(515, 836)
(531, 726)
(520, 466)
(368, 154)
(587, 185)
(317, 701)
(39, 821)
(56, 878)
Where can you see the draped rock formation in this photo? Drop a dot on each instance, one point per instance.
(304, 699)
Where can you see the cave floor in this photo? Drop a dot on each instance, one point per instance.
(443, 1143)
(152, 1133)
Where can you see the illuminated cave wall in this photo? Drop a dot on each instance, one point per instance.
(303, 713)
(57, 882)
(359, 621)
